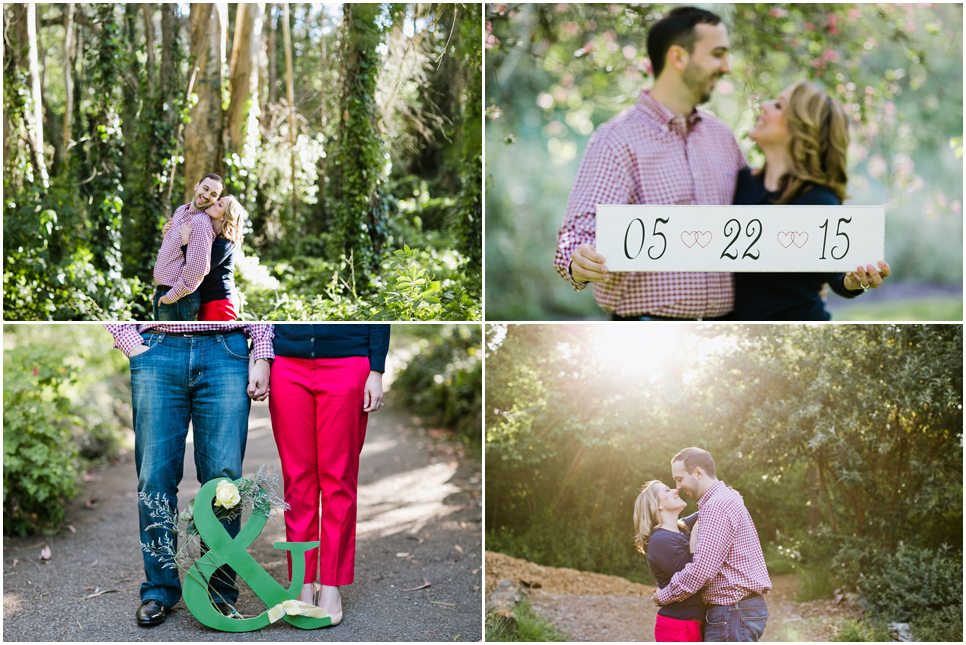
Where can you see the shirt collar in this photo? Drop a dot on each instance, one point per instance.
(660, 114)
(708, 494)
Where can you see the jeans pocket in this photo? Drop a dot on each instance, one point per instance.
(190, 306)
(151, 342)
(235, 345)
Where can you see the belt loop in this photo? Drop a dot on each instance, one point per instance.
(161, 337)
(219, 338)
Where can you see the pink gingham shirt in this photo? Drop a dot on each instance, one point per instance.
(728, 557)
(646, 155)
(183, 273)
(127, 336)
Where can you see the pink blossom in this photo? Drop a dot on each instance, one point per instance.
(890, 108)
(854, 14)
(808, 26)
(910, 26)
(831, 23)
(876, 166)
(35, 371)
(778, 13)
(830, 55)
(956, 207)
(562, 6)
(500, 9)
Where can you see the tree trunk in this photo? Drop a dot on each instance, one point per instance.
(317, 224)
(242, 55)
(166, 83)
(828, 501)
(68, 83)
(202, 137)
(148, 10)
(26, 19)
(291, 105)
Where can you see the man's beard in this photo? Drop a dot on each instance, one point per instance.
(695, 79)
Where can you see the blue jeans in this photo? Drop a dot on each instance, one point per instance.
(184, 309)
(742, 622)
(202, 380)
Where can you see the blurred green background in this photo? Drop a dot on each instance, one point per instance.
(554, 72)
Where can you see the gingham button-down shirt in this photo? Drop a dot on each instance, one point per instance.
(646, 155)
(128, 336)
(728, 561)
(183, 273)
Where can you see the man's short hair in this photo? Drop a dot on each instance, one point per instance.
(676, 28)
(694, 458)
(213, 176)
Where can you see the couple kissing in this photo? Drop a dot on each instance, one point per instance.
(709, 566)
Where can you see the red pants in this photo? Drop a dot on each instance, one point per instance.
(672, 630)
(316, 407)
(217, 310)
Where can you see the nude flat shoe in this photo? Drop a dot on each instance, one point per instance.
(336, 618)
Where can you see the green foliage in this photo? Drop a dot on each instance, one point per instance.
(853, 631)
(360, 160)
(443, 380)
(61, 385)
(944, 625)
(903, 585)
(39, 458)
(530, 628)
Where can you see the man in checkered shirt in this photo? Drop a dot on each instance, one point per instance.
(202, 374)
(176, 275)
(661, 151)
(728, 568)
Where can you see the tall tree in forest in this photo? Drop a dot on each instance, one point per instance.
(68, 83)
(106, 145)
(470, 222)
(24, 19)
(243, 53)
(203, 151)
(358, 222)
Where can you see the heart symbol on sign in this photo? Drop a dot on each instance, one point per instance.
(703, 238)
(799, 236)
(689, 238)
(786, 239)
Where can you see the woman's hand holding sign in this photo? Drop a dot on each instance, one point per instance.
(866, 278)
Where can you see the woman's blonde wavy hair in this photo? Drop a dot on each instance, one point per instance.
(235, 214)
(818, 143)
(647, 517)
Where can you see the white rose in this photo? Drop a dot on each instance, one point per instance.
(226, 495)
(188, 514)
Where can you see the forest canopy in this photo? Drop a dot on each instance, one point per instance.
(351, 134)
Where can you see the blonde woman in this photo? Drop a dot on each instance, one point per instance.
(219, 298)
(804, 134)
(666, 542)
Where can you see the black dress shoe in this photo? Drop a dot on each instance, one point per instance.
(225, 608)
(151, 613)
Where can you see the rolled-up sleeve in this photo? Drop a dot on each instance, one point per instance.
(126, 337)
(601, 179)
(717, 535)
(262, 336)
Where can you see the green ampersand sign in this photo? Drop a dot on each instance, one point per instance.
(223, 550)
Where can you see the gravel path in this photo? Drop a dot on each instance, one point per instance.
(419, 519)
(593, 607)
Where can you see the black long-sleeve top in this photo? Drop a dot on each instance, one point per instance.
(783, 296)
(667, 553)
(219, 283)
(334, 341)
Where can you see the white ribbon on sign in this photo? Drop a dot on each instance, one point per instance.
(784, 239)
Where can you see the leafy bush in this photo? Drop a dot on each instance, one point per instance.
(905, 585)
(39, 457)
(944, 625)
(530, 628)
(444, 380)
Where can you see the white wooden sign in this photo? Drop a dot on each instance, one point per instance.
(787, 239)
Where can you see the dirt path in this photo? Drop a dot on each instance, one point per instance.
(594, 607)
(419, 519)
